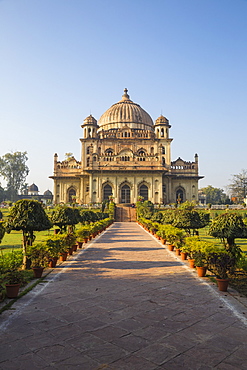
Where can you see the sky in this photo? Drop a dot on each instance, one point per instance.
(62, 60)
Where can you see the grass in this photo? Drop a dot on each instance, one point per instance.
(14, 239)
(242, 243)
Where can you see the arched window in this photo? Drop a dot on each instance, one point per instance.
(152, 150)
(143, 191)
(88, 150)
(162, 132)
(94, 158)
(109, 152)
(107, 191)
(163, 150)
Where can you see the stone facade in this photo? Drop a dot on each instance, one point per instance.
(125, 154)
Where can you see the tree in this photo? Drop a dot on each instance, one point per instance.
(28, 216)
(63, 216)
(2, 193)
(228, 227)
(190, 220)
(238, 186)
(14, 170)
(215, 195)
(145, 209)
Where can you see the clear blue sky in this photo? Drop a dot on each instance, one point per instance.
(64, 59)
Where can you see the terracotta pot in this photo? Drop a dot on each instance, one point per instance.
(177, 252)
(85, 240)
(38, 271)
(201, 270)
(53, 262)
(191, 263)
(90, 237)
(170, 247)
(222, 284)
(70, 251)
(12, 290)
(63, 256)
(74, 247)
(163, 241)
(184, 256)
(79, 244)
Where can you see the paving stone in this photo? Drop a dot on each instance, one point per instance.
(124, 303)
(133, 362)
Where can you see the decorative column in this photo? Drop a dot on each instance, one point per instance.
(90, 188)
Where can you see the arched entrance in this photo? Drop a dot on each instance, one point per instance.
(180, 197)
(125, 194)
(107, 191)
(71, 195)
(143, 191)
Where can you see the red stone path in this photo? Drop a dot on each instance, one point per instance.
(124, 303)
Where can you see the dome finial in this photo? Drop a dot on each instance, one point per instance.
(125, 95)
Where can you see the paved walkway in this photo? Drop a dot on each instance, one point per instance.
(124, 303)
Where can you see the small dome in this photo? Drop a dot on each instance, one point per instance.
(162, 120)
(90, 120)
(48, 192)
(33, 187)
(123, 113)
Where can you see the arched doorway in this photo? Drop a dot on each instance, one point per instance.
(107, 191)
(143, 191)
(180, 198)
(71, 195)
(125, 194)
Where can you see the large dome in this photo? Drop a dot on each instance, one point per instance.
(123, 113)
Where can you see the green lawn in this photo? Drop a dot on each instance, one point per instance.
(14, 239)
(242, 243)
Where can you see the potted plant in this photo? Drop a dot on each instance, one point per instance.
(203, 250)
(221, 264)
(13, 279)
(82, 234)
(39, 258)
(175, 237)
(69, 241)
(200, 263)
(54, 248)
(189, 248)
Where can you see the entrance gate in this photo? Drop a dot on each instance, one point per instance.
(125, 194)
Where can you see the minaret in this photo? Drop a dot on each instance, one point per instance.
(162, 128)
(90, 127)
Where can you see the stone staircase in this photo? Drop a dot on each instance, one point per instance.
(125, 214)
